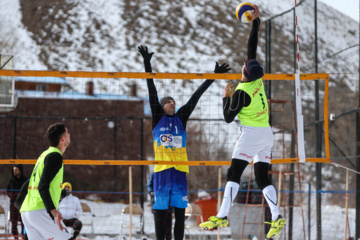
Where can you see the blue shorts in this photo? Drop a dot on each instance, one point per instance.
(170, 189)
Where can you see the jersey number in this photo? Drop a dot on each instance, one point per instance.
(262, 100)
(35, 171)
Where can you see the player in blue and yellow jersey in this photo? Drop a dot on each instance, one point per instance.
(248, 101)
(169, 133)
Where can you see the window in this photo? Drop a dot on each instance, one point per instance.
(41, 87)
(5, 90)
(8, 97)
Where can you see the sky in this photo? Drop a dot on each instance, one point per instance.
(351, 7)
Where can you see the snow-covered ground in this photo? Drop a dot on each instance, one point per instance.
(107, 218)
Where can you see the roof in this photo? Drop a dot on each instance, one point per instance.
(73, 95)
(53, 80)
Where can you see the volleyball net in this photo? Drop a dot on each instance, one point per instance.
(114, 107)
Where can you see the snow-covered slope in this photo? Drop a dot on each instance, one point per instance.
(16, 40)
(186, 36)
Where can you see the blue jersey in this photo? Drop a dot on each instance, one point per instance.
(169, 132)
(170, 143)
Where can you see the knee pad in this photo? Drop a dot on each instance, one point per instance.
(236, 170)
(261, 174)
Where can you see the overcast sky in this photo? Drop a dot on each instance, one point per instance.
(349, 7)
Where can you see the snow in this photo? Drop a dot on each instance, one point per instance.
(109, 49)
(18, 41)
(107, 219)
(109, 45)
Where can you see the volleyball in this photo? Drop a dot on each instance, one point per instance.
(243, 12)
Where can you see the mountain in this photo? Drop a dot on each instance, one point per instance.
(186, 36)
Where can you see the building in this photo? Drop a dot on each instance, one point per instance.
(102, 127)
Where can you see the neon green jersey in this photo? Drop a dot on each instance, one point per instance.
(257, 113)
(33, 200)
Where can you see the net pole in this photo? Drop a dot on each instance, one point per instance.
(219, 199)
(346, 202)
(130, 202)
(279, 193)
(299, 115)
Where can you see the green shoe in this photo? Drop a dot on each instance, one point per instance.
(276, 226)
(214, 222)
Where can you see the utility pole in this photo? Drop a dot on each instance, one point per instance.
(318, 137)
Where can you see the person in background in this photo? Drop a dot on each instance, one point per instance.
(169, 137)
(256, 139)
(39, 211)
(15, 183)
(70, 209)
(20, 199)
(168, 218)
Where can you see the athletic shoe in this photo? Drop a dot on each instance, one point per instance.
(214, 222)
(276, 226)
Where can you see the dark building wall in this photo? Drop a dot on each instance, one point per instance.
(91, 137)
(32, 86)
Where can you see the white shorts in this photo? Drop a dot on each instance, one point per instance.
(39, 225)
(254, 143)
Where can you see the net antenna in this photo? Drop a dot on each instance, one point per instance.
(299, 115)
(8, 97)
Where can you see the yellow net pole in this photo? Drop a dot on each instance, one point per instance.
(326, 120)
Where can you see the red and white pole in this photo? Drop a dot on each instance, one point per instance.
(299, 115)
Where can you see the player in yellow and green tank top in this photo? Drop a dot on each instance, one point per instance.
(44, 189)
(249, 103)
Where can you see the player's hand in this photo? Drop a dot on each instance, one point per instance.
(223, 68)
(143, 50)
(255, 12)
(58, 218)
(229, 90)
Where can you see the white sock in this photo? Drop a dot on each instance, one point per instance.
(271, 199)
(231, 189)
